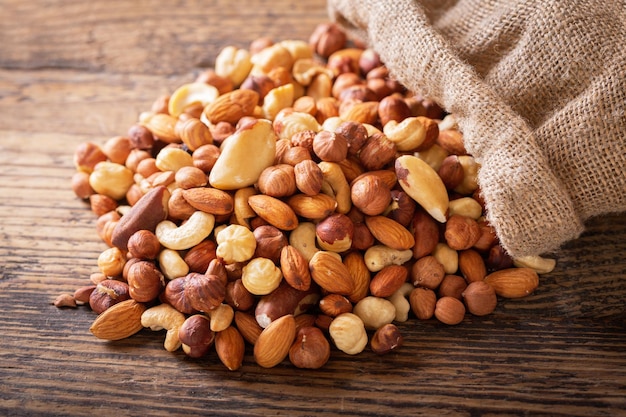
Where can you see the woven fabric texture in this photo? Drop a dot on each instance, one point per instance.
(538, 89)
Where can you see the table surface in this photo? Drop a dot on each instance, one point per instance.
(77, 71)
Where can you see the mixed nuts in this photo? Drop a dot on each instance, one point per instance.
(294, 197)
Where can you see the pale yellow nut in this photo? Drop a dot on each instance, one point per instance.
(261, 276)
(298, 49)
(277, 99)
(379, 256)
(348, 333)
(173, 159)
(305, 70)
(433, 156)
(335, 178)
(540, 264)
(111, 179)
(400, 301)
(407, 134)
(449, 122)
(297, 122)
(221, 317)
(233, 63)
(235, 243)
(172, 265)
(244, 155)
(470, 175)
(243, 211)
(448, 257)
(191, 93)
(332, 123)
(423, 184)
(273, 56)
(189, 234)
(465, 206)
(164, 316)
(303, 238)
(375, 312)
(320, 87)
(111, 262)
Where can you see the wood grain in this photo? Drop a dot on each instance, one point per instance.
(76, 71)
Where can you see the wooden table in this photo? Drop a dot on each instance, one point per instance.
(77, 71)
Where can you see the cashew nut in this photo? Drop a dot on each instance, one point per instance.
(164, 316)
(334, 176)
(303, 239)
(189, 234)
(408, 134)
(400, 301)
(233, 63)
(379, 256)
(188, 94)
(540, 264)
(172, 264)
(448, 257)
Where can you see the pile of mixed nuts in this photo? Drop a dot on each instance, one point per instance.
(294, 197)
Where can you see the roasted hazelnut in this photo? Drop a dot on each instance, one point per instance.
(143, 244)
(368, 61)
(310, 350)
(238, 297)
(101, 204)
(196, 336)
(452, 286)
(140, 137)
(330, 146)
(205, 157)
(327, 38)
(377, 152)
(194, 292)
(117, 149)
(402, 208)
(393, 107)
(277, 181)
(269, 242)
(386, 339)
(335, 233)
(451, 172)
(427, 272)
(480, 298)
(461, 232)
(145, 281)
(370, 194)
(200, 256)
(362, 238)
(80, 185)
(262, 84)
(222, 83)
(309, 177)
(87, 155)
(107, 293)
(355, 134)
(304, 138)
(358, 93)
(344, 81)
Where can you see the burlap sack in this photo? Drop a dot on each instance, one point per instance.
(538, 87)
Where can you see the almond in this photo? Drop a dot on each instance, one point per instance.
(388, 280)
(390, 233)
(513, 282)
(230, 348)
(210, 200)
(274, 211)
(232, 106)
(360, 275)
(273, 344)
(312, 207)
(472, 265)
(119, 321)
(330, 273)
(295, 268)
(248, 326)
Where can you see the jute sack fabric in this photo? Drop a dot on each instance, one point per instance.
(538, 88)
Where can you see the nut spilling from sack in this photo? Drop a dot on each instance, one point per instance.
(293, 198)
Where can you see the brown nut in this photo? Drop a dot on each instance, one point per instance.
(452, 286)
(295, 268)
(310, 350)
(425, 232)
(232, 106)
(388, 280)
(423, 301)
(199, 257)
(247, 326)
(230, 347)
(427, 272)
(377, 152)
(330, 146)
(87, 155)
(145, 281)
(451, 172)
(278, 180)
(308, 177)
(194, 292)
(143, 244)
(480, 298)
(386, 339)
(370, 194)
(449, 310)
(334, 304)
(401, 208)
(108, 293)
(274, 211)
(472, 265)
(393, 107)
(327, 38)
(274, 342)
(238, 297)
(210, 200)
(312, 207)
(334, 233)
(270, 241)
(330, 273)
(196, 336)
(513, 282)
(461, 232)
(390, 233)
(284, 300)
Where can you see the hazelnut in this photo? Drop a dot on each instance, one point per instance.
(140, 137)
(423, 301)
(269, 242)
(145, 281)
(327, 38)
(108, 293)
(402, 208)
(451, 172)
(294, 155)
(370, 194)
(393, 107)
(199, 257)
(205, 157)
(369, 60)
(377, 152)
(335, 233)
(344, 81)
(452, 286)
(143, 244)
(355, 133)
(87, 155)
(101, 204)
(449, 310)
(310, 350)
(196, 336)
(330, 146)
(277, 180)
(461, 232)
(309, 177)
(238, 297)
(386, 339)
(222, 83)
(480, 298)
(427, 272)
(304, 138)
(194, 292)
(80, 185)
